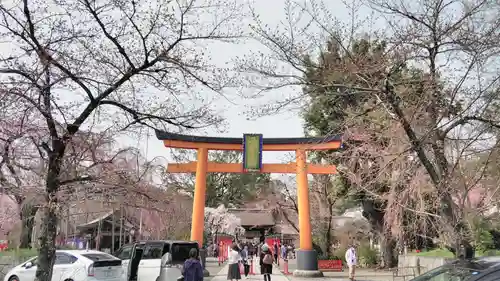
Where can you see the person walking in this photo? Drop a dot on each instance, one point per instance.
(192, 269)
(234, 258)
(351, 260)
(284, 252)
(244, 258)
(266, 264)
(210, 250)
(260, 249)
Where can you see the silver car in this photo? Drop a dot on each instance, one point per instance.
(144, 267)
(173, 261)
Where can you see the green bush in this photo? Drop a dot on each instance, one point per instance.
(484, 241)
(339, 254)
(490, 253)
(367, 256)
(20, 255)
(318, 249)
(443, 253)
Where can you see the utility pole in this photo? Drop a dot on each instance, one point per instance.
(121, 225)
(140, 226)
(113, 217)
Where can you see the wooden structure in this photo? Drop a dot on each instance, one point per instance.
(103, 230)
(259, 222)
(256, 222)
(252, 147)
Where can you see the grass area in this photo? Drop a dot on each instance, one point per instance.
(19, 253)
(444, 253)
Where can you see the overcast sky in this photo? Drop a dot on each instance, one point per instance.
(285, 124)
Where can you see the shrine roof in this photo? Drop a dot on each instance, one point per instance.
(252, 217)
(163, 135)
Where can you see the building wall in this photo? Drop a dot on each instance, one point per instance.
(252, 234)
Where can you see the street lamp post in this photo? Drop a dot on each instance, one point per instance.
(131, 234)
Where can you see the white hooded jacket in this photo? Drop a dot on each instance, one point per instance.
(350, 256)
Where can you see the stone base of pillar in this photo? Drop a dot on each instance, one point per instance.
(307, 264)
(307, 273)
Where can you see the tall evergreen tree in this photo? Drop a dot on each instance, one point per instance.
(337, 109)
(441, 113)
(234, 190)
(230, 190)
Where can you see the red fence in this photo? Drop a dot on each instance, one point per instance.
(4, 244)
(330, 265)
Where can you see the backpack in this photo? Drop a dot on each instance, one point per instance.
(268, 259)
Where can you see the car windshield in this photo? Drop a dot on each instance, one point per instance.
(180, 251)
(98, 256)
(33, 260)
(458, 271)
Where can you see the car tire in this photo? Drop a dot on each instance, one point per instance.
(14, 278)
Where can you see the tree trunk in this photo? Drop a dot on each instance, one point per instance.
(323, 243)
(462, 248)
(48, 231)
(375, 216)
(328, 233)
(325, 238)
(27, 216)
(387, 246)
(437, 169)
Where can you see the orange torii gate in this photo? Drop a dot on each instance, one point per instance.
(252, 146)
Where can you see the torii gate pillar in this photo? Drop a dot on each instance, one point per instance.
(252, 147)
(200, 188)
(305, 236)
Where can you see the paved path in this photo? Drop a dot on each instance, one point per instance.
(212, 265)
(361, 274)
(220, 274)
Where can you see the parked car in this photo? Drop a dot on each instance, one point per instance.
(480, 269)
(159, 260)
(73, 265)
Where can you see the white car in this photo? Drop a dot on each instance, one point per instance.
(73, 265)
(160, 260)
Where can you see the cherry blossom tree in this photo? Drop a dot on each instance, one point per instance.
(8, 214)
(21, 166)
(220, 220)
(175, 219)
(90, 158)
(82, 65)
(432, 80)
